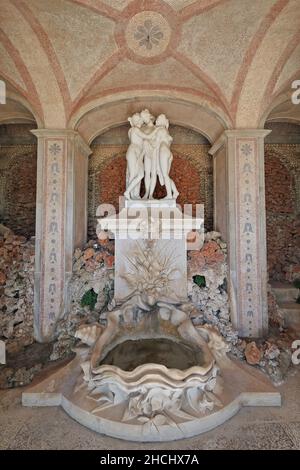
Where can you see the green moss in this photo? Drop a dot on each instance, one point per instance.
(199, 280)
(297, 283)
(89, 299)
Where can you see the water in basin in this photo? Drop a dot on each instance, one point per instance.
(173, 354)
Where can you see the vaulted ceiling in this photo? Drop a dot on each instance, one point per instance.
(235, 59)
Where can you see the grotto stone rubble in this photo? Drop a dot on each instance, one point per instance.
(93, 269)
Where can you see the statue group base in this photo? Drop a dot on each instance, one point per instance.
(151, 402)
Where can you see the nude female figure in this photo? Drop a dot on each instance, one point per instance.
(134, 156)
(165, 156)
(150, 163)
(134, 151)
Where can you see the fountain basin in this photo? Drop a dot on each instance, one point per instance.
(133, 391)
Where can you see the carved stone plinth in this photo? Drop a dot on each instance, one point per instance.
(150, 247)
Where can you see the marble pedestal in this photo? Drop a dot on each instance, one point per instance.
(149, 235)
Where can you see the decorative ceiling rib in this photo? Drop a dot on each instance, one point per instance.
(62, 55)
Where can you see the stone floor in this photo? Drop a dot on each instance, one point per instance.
(251, 428)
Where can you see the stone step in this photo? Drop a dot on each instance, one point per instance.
(284, 292)
(291, 314)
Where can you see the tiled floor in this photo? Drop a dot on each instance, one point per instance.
(251, 428)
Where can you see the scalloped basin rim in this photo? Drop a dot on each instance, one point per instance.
(154, 367)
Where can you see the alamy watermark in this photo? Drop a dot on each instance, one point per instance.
(2, 92)
(2, 352)
(139, 220)
(296, 353)
(296, 93)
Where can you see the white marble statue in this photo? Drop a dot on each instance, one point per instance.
(149, 156)
(134, 157)
(165, 156)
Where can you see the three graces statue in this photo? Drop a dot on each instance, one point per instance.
(149, 156)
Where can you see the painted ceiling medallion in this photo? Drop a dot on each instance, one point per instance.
(148, 34)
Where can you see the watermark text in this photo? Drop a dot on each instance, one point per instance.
(296, 93)
(2, 92)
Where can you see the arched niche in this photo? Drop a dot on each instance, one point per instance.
(192, 170)
(98, 117)
(203, 117)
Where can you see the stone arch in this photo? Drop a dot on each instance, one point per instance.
(100, 115)
(281, 110)
(19, 108)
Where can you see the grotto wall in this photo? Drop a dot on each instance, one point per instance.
(18, 166)
(282, 177)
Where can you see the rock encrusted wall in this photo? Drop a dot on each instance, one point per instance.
(271, 354)
(16, 290)
(18, 163)
(93, 270)
(211, 299)
(282, 170)
(25, 357)
(18, 188)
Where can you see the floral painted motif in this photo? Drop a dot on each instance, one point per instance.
(54, 149)
(248, 280)
(246, 150)
(148, 34)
